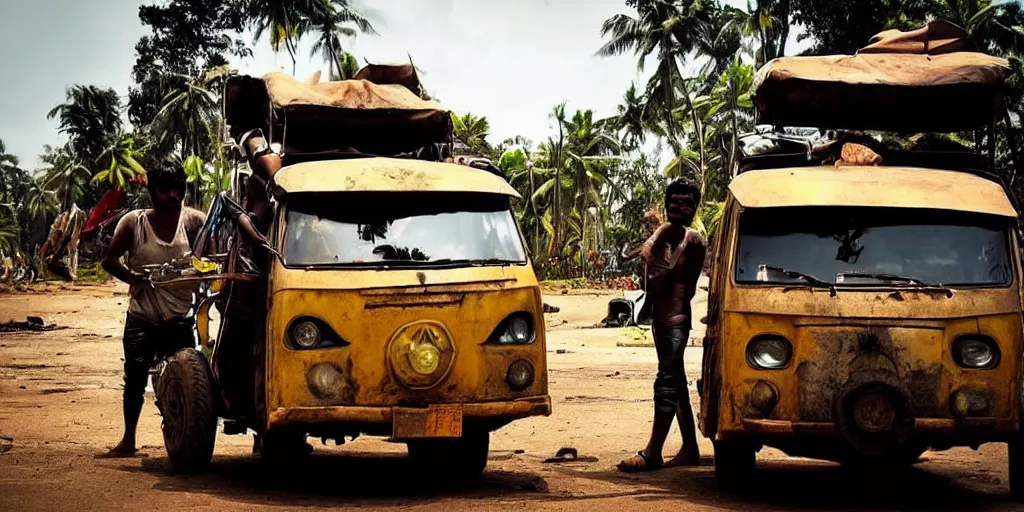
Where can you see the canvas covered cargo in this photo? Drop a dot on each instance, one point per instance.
(381, 111)
(927, 80)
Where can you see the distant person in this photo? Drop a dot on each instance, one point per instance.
(157, 324)
(675, 256)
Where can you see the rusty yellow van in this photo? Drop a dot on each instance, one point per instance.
(401, 303)
(866, 313)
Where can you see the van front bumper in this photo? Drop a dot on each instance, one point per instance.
(508, 410)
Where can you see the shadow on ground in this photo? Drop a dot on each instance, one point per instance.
(327, 479)
(797, 484)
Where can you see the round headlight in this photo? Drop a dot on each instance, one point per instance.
(770, 352)
(324, 381)
(519, 375)
(976, 352)
(306, 334)
(519, 329)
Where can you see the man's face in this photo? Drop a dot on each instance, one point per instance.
(167, 198)
(681, 208)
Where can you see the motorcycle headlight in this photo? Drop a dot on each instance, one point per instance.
(976, 352)
(515, 330)
(306, 334)
(769, 352)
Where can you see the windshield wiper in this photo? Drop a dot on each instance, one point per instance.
(475, 263)
(895, 278)
(814, 281)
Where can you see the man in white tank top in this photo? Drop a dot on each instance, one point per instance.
(158, 322)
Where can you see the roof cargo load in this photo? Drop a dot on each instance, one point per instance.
(927, 80)
(381, 111)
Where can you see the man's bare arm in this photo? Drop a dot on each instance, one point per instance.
(693, 262)
(648, 247)
(119, 245)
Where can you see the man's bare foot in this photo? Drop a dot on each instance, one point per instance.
(640, 463)
(122, 450)
(685, 458)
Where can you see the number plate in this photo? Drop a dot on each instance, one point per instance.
(433, 421)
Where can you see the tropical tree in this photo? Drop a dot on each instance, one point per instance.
(64, 175)
(472, 131)
(121, 160)
(189, 119)
(330, 28)
(347, 67)
(90, 117)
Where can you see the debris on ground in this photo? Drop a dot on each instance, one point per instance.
(548, 308)
(568, 455)
(32, 323)
(6, 443)
(616, 374)
(561, 351)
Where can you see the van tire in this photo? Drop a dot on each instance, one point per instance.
(185, 398)
(1015, 450)
(461, 459)
(735, 463)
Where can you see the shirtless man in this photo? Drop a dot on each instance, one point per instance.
(674, 255)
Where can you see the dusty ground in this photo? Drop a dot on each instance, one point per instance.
(60, 402)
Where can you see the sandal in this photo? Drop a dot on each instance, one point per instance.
(640, 463)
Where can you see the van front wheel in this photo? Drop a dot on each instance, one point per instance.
(462, 458)
(735, 462)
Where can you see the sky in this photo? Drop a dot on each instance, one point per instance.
(509, 60)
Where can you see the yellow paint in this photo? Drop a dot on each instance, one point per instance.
(918, 330)
(895, 187)
(380, 315)
(388, 175)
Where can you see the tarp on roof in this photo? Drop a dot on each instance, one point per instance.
(903, 81)
(381, 111)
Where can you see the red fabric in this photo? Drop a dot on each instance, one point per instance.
(108, 205)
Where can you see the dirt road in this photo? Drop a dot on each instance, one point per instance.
(60, 397)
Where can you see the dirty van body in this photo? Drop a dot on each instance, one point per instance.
(392, 294)
(420, 296)
(862, 314)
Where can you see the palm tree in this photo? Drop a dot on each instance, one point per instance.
(8, 168)
(472, 131)
(10, 230)
(663, 29)
(730, 104)
(190, 116)
(89, 117)
(632, 119)
(348, 66)
(64, 175)
(122, 162)
(284, 21)
(331, 28)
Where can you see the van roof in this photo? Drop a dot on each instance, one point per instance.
(892, 187)
(388, 175)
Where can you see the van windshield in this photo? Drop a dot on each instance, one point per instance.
(408, 228)
(851, 246)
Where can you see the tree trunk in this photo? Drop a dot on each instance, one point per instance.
(783, 20)
(536, 215)
(699, 128)
(558, 187)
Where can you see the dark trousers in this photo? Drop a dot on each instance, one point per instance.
(670, 384)
(145, 344)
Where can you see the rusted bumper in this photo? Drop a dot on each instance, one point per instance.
(922, 425)
(509, 410)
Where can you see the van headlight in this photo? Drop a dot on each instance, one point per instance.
(306, 334)
(769, 352)
(517, 329)
(976, 352)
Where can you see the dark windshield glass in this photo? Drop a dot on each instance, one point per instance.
(937, 247)
(401, 228)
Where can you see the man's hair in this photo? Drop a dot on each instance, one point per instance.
(682, 186)
(166, 175)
